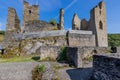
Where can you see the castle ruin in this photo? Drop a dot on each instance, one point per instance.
(36, 35)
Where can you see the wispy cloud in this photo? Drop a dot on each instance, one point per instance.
(67, 7)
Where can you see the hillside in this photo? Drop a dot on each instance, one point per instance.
(2, 33)
(114, 39)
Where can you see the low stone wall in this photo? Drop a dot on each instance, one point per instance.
(76, 55)
(43, 34)
(51, 52)
(106, 67)
(81, 38)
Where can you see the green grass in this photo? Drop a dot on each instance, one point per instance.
(18, 59)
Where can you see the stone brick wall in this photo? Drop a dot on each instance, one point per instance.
(76, 22)
(13, 27)
(38, 25)
(106, 67)
(51, 52)
(30, 12)
(98, 25)
(77, 55)
(81, 38)
(84, 24)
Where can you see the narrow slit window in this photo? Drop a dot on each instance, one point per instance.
(101, 25)
(30, 11)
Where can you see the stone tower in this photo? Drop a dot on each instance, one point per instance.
(30, 12)
(61, 22)
(76, 22)
(98, 24)
(13, 23)
(12, 27)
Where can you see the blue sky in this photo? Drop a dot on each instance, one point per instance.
(49, 9)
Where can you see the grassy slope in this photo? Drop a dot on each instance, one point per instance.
(114, 39)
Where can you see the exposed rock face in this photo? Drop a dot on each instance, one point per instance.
(98, 25)
(30, 13)
(76, 22)
(106, 67)
(61, 22)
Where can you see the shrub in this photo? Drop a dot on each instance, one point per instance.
(62, 55)
(2, 32)
(53, 22)
(37, 72)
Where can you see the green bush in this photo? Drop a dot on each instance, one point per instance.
(37, 72)
(2, 32)
(53, 22)
(41, 68)
(63, 55)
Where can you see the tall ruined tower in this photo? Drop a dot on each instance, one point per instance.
(61, 22)
(98, 24)
(13, 23)
(30, 12)
(12, 27)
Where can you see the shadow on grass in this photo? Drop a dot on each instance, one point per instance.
(36, 58)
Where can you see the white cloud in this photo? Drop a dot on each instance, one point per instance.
(69, 5)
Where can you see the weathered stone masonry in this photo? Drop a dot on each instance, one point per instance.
(13, 27)
(106, 67)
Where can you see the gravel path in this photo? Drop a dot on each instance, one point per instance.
(76, 74)
(22, 71)
(17, 71)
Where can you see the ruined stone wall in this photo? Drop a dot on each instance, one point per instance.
(61, 22)
(81, 38)
(106, 67)
(98, 24)
(37, 26)
(13, 27)
(84, 24)
(13, 22)
(76, 22)
(77, 55)
(30, 12)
